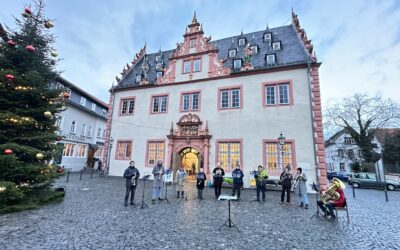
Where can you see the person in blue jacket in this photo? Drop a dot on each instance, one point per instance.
(237, 176)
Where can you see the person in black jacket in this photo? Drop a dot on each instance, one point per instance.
(201, 179)
(131, 175)
(286, 179)
(237, 176)
(218, 174)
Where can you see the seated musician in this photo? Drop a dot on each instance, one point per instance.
(333, 203)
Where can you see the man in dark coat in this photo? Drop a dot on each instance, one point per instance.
(286, 179)
(218, 174)
(131, 175)
(237, 176)
(201, 179)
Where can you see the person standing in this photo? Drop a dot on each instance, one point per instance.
(180, 181)
(261, 177)
(158, 172)
(218, 175)
(131, 175)
(237, 176)
(286, 179)
(301, 187)
(201, 179)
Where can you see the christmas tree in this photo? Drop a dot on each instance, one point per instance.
(29, 103)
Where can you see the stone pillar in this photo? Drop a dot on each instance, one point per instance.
(206, 156)
(170, 152)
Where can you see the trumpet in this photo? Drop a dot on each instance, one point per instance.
(133, 179)
(296, 181)
(159, 175)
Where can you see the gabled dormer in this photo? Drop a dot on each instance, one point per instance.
(267, 36)
(241, 40)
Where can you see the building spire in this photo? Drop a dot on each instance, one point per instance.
(194, 20)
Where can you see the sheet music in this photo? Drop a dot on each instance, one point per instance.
(227, 197)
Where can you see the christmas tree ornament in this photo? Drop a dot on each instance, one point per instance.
(58, 138)
(54, 53)
(48, 24)
(9, 77)
(53, 62)
(66, 95)
(8, 151)
(39, 156)
(30, 48)
(11, 43)
(28, 11)
(24, 14)
(47, 114)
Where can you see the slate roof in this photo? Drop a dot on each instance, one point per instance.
(292, 52)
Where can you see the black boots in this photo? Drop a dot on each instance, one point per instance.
(182, 193)
(177, 194)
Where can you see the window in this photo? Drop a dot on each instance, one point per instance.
(237, 64)
(270, 94)
(158, 66)
(342, 167)
(159, 104)
(127, 106)
(230, 98)
(99, 133)
(348, 140)
(82, 101)
(186, 67)
(159, 74)
(277, 93)
(232, 53)
(68, 150)
(283, 90)
(350, 153)
(59, 120)
(124, 150)
(83, 131)
(99, 152)
(267, 37)
(155, 152)
(158, 58)
(94, 106)
(104, 133)
(104, 112)
(190, 102)
(192, 43)
(270, 59)
(196, 65)
(228, 154)
(274, 161)
(276, 45)
(73, 127)
(89, 131)
(242, 41)
(81, 150)
(254, 49)
(138, 78)
(340, 152)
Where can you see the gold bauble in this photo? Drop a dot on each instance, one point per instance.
(47, 114)
(39, 156)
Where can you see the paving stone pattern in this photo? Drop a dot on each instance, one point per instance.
(92, 216)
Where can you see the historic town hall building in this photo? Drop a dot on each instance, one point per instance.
(222, 101)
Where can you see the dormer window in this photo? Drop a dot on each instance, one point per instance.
(159, 74)
(254, 49)
(138, 78)
(267, 37)
(232, 53)
(158, 66)
(242, 41)
(276, 45)
(237, 64)
(192, 43)
(270, 59)
(158, 58)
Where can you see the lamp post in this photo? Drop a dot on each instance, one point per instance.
(281, 140)
(110, 143)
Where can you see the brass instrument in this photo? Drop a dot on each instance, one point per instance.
(296, 181)
(159, 175)
(330, 193)
(133, 179)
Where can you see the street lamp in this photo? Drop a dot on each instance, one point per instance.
(281, 140)
(110, 143)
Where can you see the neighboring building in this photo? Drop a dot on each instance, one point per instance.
(223, 101)
(341, 151)
(82, 128)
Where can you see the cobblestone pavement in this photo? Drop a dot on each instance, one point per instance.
(92, 216)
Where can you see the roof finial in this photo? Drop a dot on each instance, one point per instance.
(267, 26)
(194, 20)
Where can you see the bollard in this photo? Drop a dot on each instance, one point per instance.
(91, 174)
(67, 175)
(386, 195)
(80, 177)
(354, 192)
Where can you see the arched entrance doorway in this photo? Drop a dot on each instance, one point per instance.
(191, 161)
(189, 144)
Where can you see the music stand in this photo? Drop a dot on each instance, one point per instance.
(229, 222)
(166, 190)
(315, 187)
(143, 203)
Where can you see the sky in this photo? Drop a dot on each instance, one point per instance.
(358, 42)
